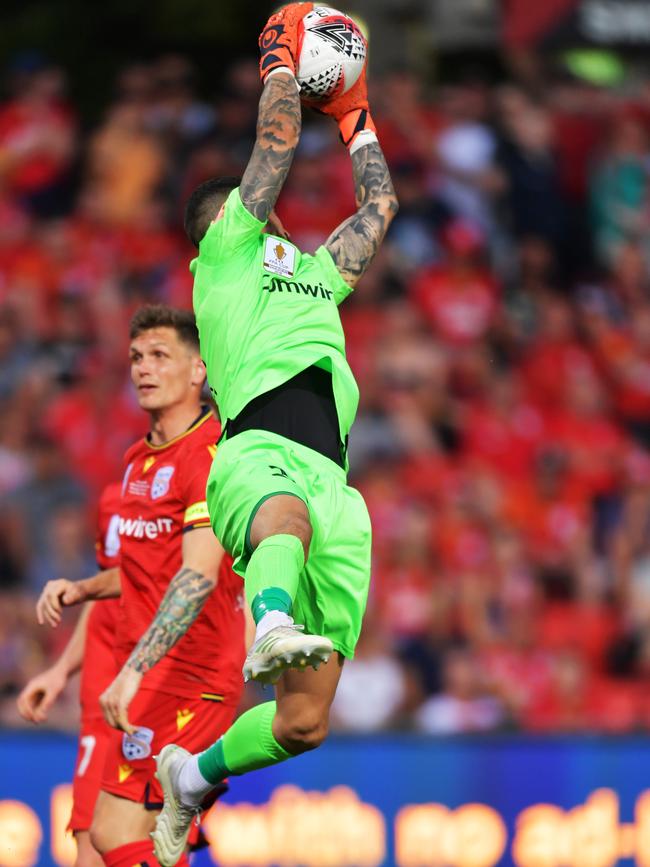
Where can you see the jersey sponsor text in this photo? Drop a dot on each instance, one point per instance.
(293, 287)
(139, 528)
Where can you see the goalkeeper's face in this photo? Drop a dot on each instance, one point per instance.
(166, 372)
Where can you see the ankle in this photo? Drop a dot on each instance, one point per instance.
(191, 785)
(270, 620)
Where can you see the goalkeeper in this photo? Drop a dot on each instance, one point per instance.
(274, 349)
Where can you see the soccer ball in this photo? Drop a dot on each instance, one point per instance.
(331, 53)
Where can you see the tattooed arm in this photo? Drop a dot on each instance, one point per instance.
(354, 243)
(179, 608)
(278, 131)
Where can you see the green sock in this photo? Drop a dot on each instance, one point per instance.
(272, 574)
(248, 744)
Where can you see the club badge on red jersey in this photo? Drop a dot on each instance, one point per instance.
(161, 480)
(137, 745)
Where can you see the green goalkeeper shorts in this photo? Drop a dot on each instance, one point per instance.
(333, 586)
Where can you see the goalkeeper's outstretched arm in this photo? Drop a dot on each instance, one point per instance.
(354, 243)
(278, 131)
(279, 116)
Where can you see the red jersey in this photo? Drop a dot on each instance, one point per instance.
(99, 667)
(459, 306)
(163, 496)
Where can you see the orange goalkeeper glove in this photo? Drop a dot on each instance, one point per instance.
(350, 110)
(279, 40)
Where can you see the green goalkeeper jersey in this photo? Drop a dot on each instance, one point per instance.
(265, 312)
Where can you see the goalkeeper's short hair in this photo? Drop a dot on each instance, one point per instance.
(204, 204)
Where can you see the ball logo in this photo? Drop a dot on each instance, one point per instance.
(161, 480)
(138, 745)
(345, 36)
(332, 53)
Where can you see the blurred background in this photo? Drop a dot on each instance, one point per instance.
(501, 339)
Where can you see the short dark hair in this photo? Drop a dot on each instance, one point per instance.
(162, 316)
(204, 204)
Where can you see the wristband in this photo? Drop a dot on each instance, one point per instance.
(287, 71)
(280, 69)
(363, 138)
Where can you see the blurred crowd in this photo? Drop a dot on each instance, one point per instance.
(501, 340)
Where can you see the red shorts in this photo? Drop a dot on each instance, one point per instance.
(192, 723)
(94, 739)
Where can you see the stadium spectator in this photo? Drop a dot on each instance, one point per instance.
(619, 187)
(37, 137)
(463, 705)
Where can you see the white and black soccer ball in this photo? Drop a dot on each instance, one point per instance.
(331, 53)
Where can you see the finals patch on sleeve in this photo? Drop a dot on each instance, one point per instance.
(279, 256)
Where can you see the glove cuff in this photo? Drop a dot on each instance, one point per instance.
(352, 124)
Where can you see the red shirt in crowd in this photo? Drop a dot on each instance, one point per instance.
(99, 667)
(458, 305)
(163, 496)
(627, 366)
(507, 441)
(26, 133)
(519, 674)
(595, 447)
(404, 598)
(551, 522)
(78, 420)
(549, 364)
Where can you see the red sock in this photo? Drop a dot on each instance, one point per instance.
(138, 854)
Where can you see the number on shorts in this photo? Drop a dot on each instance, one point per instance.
(88, 745)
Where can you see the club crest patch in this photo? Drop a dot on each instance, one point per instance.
(137, 745)
(279, 256)
(161, 480)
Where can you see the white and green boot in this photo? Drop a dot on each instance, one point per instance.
(285, 647)
(174, 822)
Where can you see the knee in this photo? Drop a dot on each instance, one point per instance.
(282, 514)
(302, 732)
(102, 837)
(98, 837)
(300, 526)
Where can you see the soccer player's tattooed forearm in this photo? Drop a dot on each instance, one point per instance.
(180, 606)
(354, 243)
(278, 131)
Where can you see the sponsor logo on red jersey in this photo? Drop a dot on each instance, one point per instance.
(139, 528)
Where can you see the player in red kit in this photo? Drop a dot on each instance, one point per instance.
(91, 647)
(170, 563)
